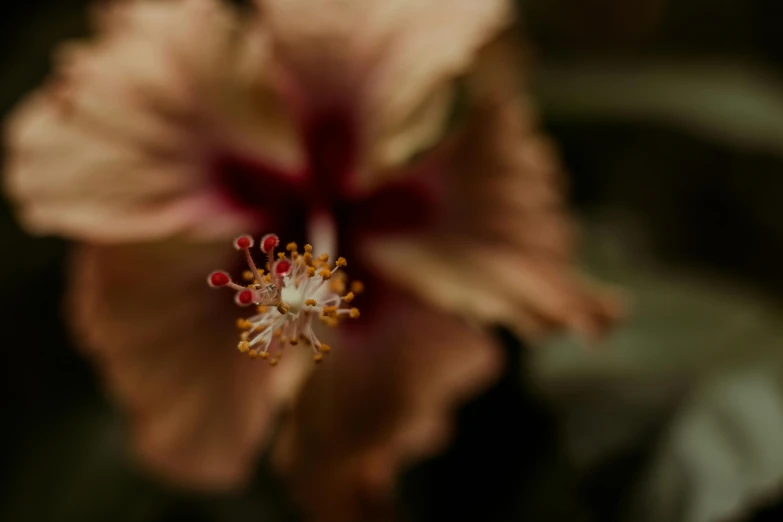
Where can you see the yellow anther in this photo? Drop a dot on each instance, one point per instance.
(348, 297)
(330, 311)
(310, 271)
(354, 313)
(243, 324)
(308, 258)
(310, 302)
(283, 339)
(244, 336)
(291, 247)
(281, 255)
(247, 275)
(332, 322)
(268, 279)
(318, 357)
(253, 354)
(341, 262)
(278, 332)
(308, 248)
(325, 274)
(323, 258)
(325, 348)
(283, 308)
(243, 346)
(262, 309)
(264, 355)
(274, 361)
(293, 341)
(357, 287)
(337, 285)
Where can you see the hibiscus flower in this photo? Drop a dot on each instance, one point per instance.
(391, 132)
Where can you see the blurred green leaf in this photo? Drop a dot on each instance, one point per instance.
(723, 456)
(699, 361)
(727, 101)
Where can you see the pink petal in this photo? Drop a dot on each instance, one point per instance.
(497, 285)
(119, 145)
(391, 62)
(504, 251)
(508, 185)
(166, 345)
(377, 405)
(411, 90)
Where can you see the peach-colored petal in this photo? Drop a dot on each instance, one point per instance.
(395, 61)
(508, 184)
(166, 344)
(495, 284)
(377, 405)
(117, 147)
(505, 248)
(431, 45)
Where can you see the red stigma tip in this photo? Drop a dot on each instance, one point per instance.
(218, 279)
(244, 298)
(243, 242)
(282, 267)
(269, 242)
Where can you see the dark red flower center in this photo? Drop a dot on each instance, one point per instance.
(286, 201)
